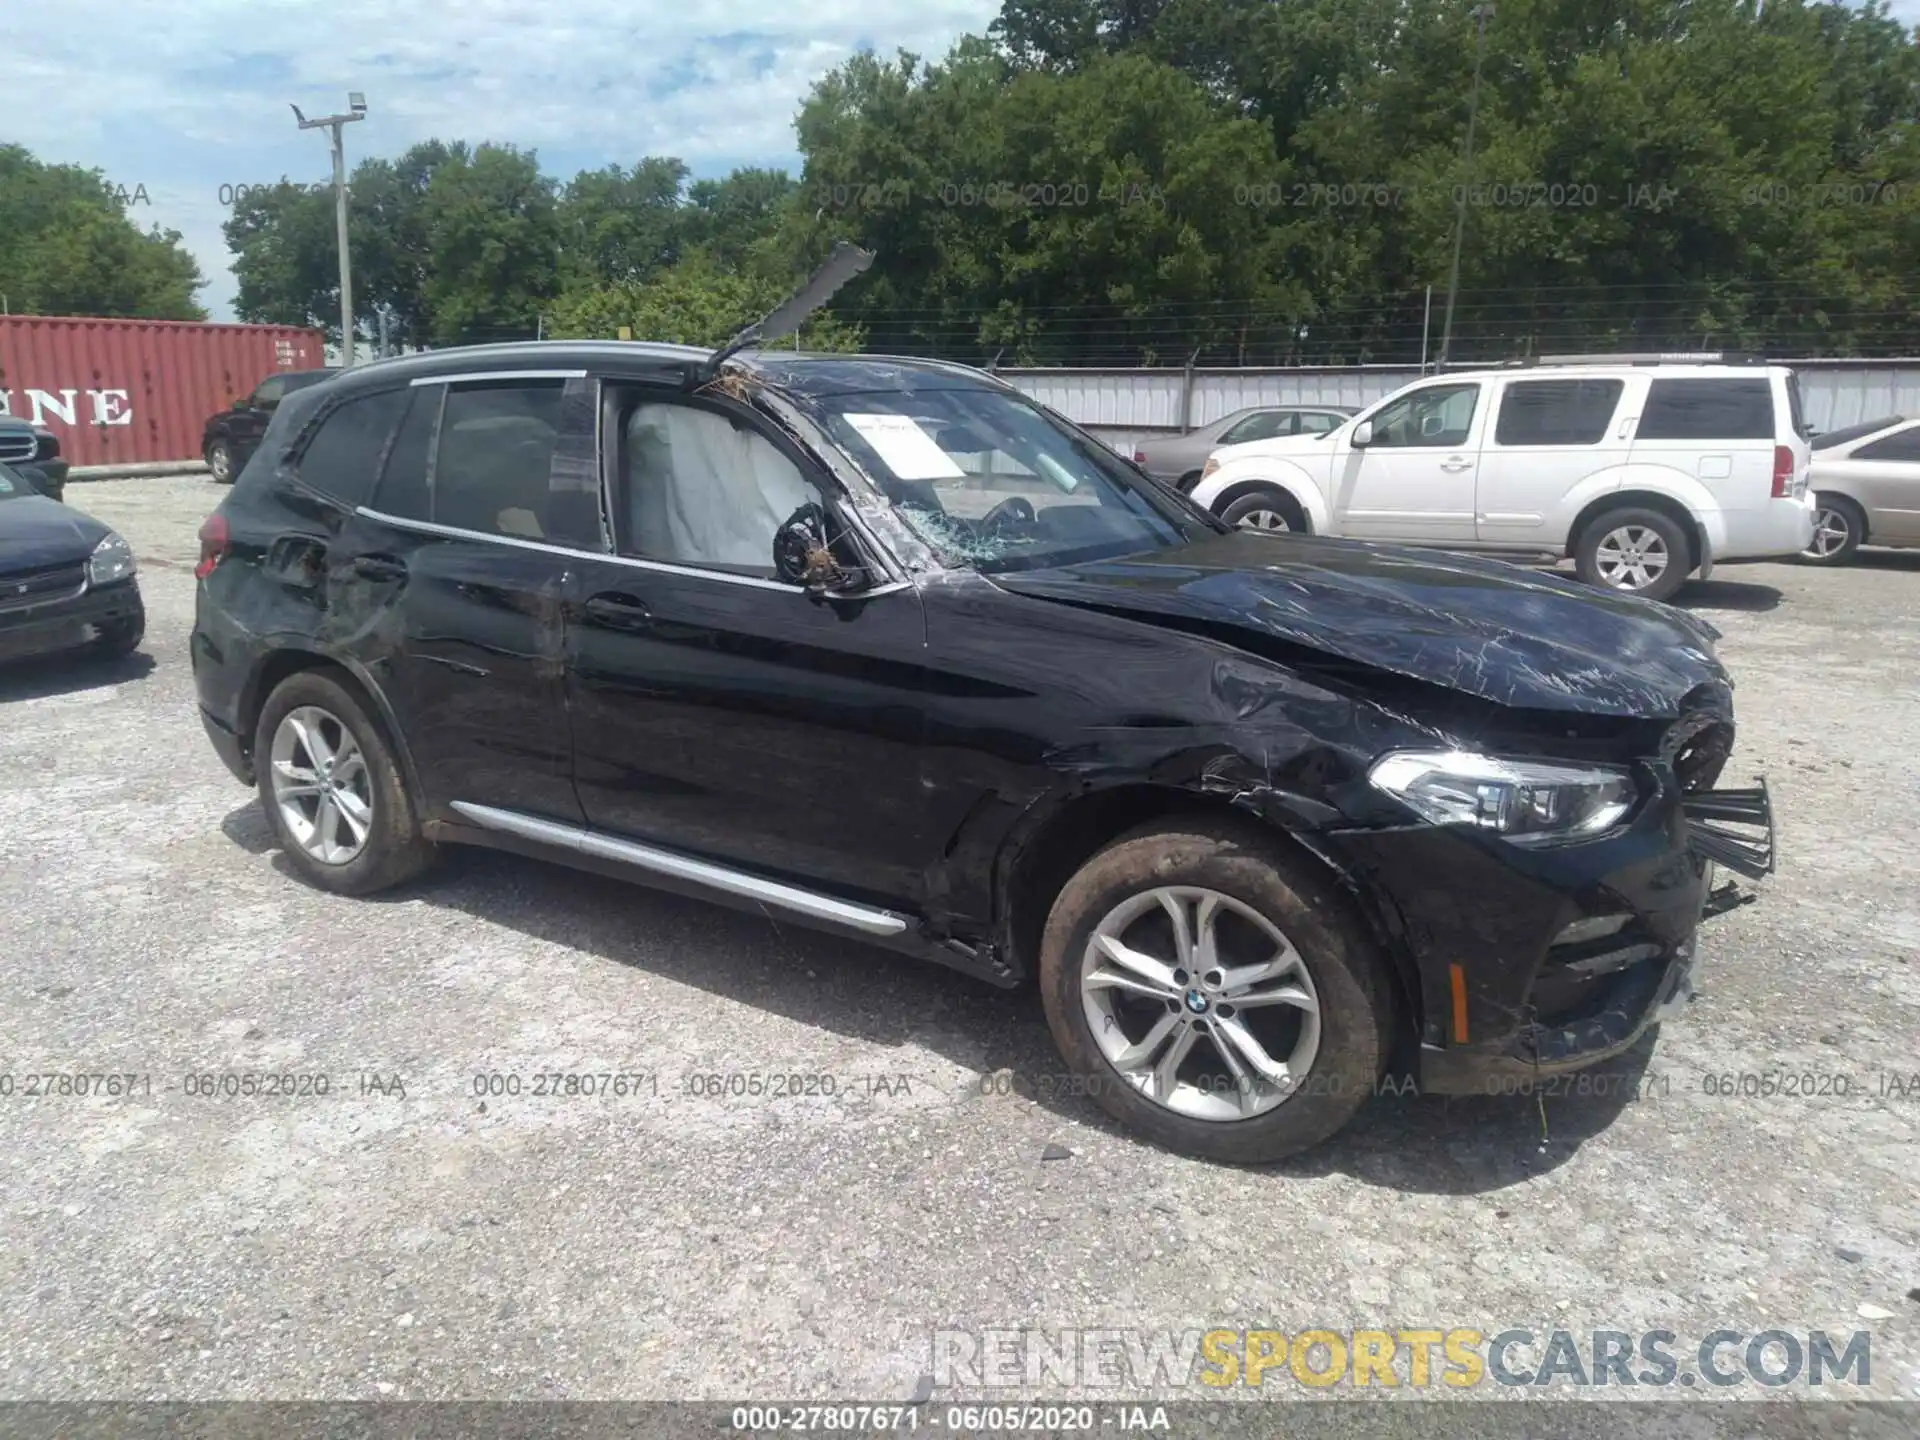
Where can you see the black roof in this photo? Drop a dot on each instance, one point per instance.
(804, 373)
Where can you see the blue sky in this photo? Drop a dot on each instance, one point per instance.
(182, 97)
(186, 96)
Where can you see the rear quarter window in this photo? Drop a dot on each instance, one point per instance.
(342, 457)
(1708, 409)
(1557, 412)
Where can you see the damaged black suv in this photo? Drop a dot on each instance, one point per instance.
(882, 646)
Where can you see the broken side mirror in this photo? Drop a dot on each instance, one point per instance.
(802, 556)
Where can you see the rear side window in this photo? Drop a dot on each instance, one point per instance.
(1731, 409)
(1263, 426)
(403, 484)
(1901, 445)
(343, 457)
(1557, 412)
(1319, 422)
(495, 454)
(1853, 432)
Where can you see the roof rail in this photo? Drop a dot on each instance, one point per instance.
(1649, 357)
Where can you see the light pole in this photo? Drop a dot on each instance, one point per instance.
(1481, 14)
(357, 106)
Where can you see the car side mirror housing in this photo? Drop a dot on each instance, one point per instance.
(1363, 435)
(803, 557)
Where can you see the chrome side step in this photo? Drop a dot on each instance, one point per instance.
(685, 867)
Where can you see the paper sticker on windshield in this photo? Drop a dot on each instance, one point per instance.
(908, 450)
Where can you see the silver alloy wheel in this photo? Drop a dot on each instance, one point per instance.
(1264, 520)
(1189, 994)
(1830, 531)
(1631, 557)
(220, 461)
(322, 785)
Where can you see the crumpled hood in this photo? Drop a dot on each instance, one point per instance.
(36, 532)
(1517, 637)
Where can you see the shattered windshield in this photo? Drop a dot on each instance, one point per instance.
(992, 484)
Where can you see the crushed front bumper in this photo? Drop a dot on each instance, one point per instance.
(1519, 975)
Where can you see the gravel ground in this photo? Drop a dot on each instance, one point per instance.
(401, 1236)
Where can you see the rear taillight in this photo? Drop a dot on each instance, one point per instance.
(213, 544)
(1782, 471)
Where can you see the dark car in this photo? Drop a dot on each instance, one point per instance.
(32, 452)
(882, 646)
(231, 437)
(66, 580)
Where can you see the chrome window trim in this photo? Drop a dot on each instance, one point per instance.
(467, 376)
(570, 552)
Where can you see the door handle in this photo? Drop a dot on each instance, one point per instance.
(618, 611)
(1456, 463)
(378, 567)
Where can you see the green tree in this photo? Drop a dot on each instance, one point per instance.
(696, 302)
(67, 247)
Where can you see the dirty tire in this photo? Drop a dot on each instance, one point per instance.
(395, 850)
(1679, 549)
(120, 637)
(220, 462)
(1259, 510)
(1355, 995)
(1836, 509)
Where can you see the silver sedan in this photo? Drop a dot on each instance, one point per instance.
(1178, 459)
(1866, 485)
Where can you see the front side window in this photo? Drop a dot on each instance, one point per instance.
(1731, 409)
(705, 489)
(1439, 415)
(495, 452)
(267, 393)
(1557, 412)
(1319, 422)
(992, 483)
(1902, 445)
(342, 459)
(1261, 426)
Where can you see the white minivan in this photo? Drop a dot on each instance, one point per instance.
(1643, 469)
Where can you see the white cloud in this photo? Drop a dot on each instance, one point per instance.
(186, 96)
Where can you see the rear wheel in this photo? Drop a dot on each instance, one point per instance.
(1267, 509)
(1640, 552)
(1839, 526)
(334, 795)
(1213, 994)
(220, 462)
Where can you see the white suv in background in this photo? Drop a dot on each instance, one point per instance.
(1642, 468)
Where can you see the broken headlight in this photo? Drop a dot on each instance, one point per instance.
(1529, 802)
(112, 559)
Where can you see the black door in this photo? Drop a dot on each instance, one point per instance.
(718, 711)
(448, 588)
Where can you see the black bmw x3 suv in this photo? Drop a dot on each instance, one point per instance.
(880, 645)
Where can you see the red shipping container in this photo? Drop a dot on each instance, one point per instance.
(126, 391)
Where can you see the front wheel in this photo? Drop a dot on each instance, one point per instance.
(1640, 552)
(332, 791)
(1839, 526)
(1213, 994)
(1270, 510)
(220, 462)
